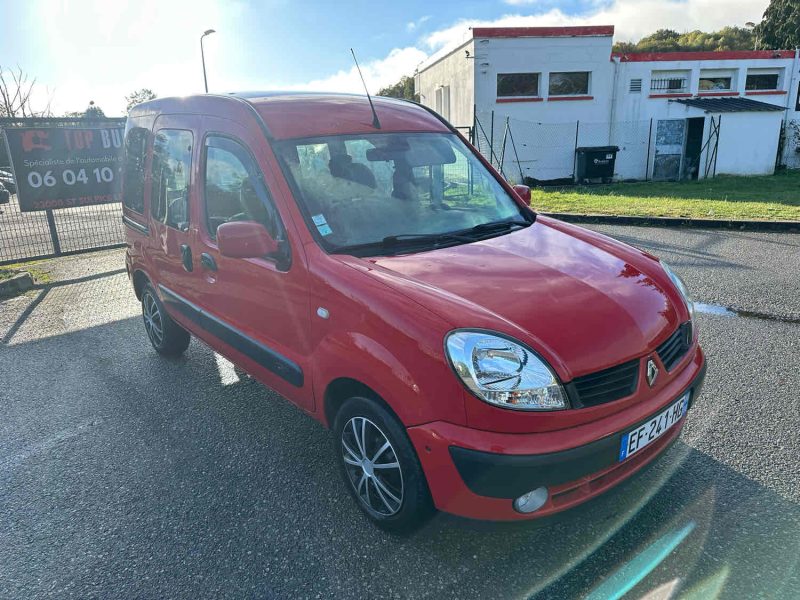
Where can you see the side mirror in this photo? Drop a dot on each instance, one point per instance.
(524, 192)
(245, 239)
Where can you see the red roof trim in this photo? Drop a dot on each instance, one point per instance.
(512, 32)
(718, 55)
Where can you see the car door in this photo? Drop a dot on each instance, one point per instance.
(258, 307)
(171, 189)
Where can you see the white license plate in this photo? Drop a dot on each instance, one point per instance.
(650, 431)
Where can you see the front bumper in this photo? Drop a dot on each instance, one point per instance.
(477, 474)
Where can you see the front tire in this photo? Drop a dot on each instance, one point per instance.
(380, 467)
(167, 337)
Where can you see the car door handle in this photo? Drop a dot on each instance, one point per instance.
(208, 261)
(186, 257)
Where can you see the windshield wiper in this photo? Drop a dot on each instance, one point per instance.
(437, 240)
(392, 240)
(499, 226)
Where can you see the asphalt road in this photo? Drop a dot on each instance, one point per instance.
(126, 475)
(26, 234)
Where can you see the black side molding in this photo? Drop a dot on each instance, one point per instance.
(253, 349)
(511, 475)
(130, 223)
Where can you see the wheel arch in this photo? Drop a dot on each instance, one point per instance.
(140, 279)
(342, 389)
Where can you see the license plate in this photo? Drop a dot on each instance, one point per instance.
(650, 431)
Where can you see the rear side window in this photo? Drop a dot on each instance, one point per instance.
(235, 189)
(133, 190)
(172, 161)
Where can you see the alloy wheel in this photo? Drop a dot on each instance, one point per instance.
(372, 466)
(153, 322)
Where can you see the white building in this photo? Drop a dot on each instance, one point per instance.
(552, 89)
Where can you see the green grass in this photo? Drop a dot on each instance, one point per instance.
(768, 198)
(40, 275)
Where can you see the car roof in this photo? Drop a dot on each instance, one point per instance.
(304, 114)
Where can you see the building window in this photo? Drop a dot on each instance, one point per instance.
(569, 84)
(442, 101)
(133, 188)
(635, 86)
(517, 84)
(761, 81)
(668, 85)
(716, 81)
(172, 161)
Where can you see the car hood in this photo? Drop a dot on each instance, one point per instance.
(583, 301)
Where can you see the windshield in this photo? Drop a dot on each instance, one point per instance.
(363, 193)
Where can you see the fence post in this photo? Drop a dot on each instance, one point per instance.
(575, 152)
(491, 137)
(649, 141)
(51, 224)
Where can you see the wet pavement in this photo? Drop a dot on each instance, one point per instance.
(123, 474)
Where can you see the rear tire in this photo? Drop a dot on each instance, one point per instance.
(380, 467)
(167, 337)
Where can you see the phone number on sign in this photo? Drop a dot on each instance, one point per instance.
(70, 177)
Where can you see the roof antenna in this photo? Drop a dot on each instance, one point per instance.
(375, 122)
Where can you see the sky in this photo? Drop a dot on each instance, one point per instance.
(101, 50)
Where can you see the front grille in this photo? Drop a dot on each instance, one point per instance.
(676, 346)
(604, 386)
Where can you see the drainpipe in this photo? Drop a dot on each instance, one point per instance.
(613, 112)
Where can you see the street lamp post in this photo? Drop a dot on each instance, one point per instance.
(203, 56)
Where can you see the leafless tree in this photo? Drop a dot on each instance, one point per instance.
(16, 91)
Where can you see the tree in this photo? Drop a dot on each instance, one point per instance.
(16, 91)
(667, 40)
(92, 112)
(402, 89)
(137, 97)
(780, 29)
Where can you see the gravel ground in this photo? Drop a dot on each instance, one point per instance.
(124, 475)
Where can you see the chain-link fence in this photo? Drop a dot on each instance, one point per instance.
(28, 235)
(545, 152)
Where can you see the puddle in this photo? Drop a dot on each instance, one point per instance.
(725, 311)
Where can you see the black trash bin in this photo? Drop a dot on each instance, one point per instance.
(595, 162)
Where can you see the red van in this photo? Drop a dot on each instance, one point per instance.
(469, 355)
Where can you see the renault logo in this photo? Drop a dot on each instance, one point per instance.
(652, 372)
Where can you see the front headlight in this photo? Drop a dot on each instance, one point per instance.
(681, 288)
(504, 372)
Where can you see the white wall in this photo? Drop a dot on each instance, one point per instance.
(457, 72)
(545, 55)
(633, 106)
(544, 129)
(748, 143)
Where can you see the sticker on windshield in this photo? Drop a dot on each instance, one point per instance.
(322, 224)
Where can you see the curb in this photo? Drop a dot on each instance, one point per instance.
(18, 283)
(775, 226)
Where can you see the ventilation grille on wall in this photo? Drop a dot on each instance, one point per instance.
(636, 85)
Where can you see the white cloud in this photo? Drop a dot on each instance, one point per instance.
(377, 73)
(413, 25)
